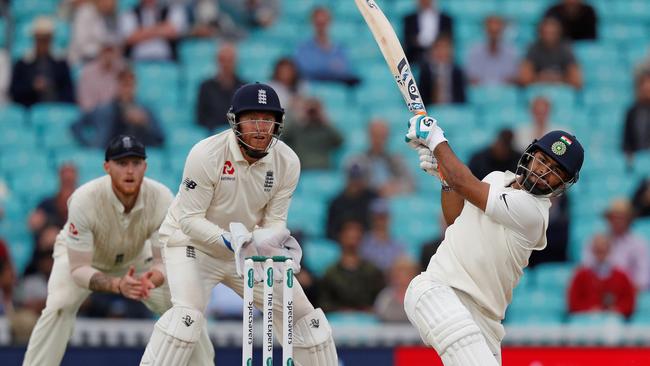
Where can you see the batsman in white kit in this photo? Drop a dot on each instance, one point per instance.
(232, 205)
(458, 303)
(109, 244)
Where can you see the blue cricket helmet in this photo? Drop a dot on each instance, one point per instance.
(561, 146)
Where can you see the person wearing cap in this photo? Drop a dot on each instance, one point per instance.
(98, 83)
(628, 251)
(108, 244)
(124, 114)
(458, 303)
(232, 204)
(40, 76)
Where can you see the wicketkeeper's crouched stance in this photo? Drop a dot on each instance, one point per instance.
(240, 180)
(458, 303)
(109, 244)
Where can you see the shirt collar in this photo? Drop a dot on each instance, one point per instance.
(233, 145)
(508, 178)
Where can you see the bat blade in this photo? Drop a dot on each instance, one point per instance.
(393, 53)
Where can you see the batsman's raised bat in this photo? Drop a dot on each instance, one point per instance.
(393, 54)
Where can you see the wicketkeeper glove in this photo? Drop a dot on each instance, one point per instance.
(278, 242)
(239, 240)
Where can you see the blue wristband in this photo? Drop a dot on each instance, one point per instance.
(227, 243)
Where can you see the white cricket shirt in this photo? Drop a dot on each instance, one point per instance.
(219, 187)
(484, 253)
(97, 222)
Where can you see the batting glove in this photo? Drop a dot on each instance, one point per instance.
(429, 164)
(239, 240)
(424, 130)
(278, 242)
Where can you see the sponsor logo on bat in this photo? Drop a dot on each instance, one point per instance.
(371, 4)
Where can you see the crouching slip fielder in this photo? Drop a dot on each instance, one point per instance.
(238, 180)
(458, 303)
(109, 244)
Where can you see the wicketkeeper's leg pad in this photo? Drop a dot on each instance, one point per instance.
(174, 337)
(313, 343)
(445, 324)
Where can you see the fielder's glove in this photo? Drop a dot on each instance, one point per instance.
(424, 130)
(239, 240)
(278, 241)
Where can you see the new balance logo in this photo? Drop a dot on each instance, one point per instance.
(314, 323)
(187, 320)
(190, 252)
(189, 184)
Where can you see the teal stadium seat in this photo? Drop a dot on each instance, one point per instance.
(89, 162)
(309, 214)
(635, 54)
(33, 185)
(629, 10)
(598, 97)
(588, 52)
(56, 138)
(13, 115)
(172, 116)
(582, 231)
(522, 11)
(331, 95)
(320, 184)
(184, 137)
(27, 9)
(319, 254)
(357, 318)
(555, 276)
(415, 220)
(26, 158)
(624, 32)
(193, 50)
(158, 83)
(562, 96)
(493, 96)
(16, 137)
(471, 9)
(58, 115)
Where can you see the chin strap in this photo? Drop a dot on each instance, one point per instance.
(255, 154)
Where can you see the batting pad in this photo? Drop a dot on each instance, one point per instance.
(313, 343)
(445, 324)
(174, 337)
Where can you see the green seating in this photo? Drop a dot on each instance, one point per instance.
(320, 254)
(321, 184)
(308, 214)
(61, 115)
(554, 276)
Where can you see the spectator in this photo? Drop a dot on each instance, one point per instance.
(389, 305)
(44, 244)
(378, 245)
(94, 22)
(353, 203)
(387, 172)
(493, 61)
(550, 59)
(53, 211)
(287, 82)
(500, 155)
(557, 234)
(636, 133)
(313, 137)
(628, 251)
(320, 58)
(32, 290)
(151, 30)
(641, 199)
(253, 13)
(215, 93)
(98, 81)
(601, 286)
(209, 20)
(351, 284)
(441, 80)
(40, 76)
(422, 27)
(578, 20)
(5, 76)
(7, 279)
(540, 113)
(122, 116)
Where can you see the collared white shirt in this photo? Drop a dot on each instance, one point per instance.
(219, 187)
(97, 222)
(428, 24)
(484, 253)
(154, 48)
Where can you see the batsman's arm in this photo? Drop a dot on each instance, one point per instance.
(452, 204)
(460, 178)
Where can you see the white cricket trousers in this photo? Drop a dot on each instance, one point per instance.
(50, 336)
(193, 274)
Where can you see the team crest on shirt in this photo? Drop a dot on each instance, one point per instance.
(268, 181)
(73, 229)
(228, 171)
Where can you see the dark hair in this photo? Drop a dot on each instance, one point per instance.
(283, 61)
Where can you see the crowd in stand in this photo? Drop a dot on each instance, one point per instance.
(373, 270)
